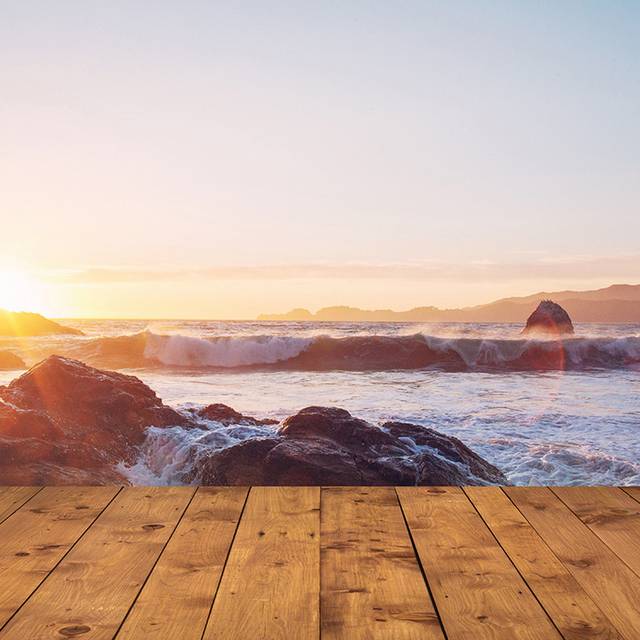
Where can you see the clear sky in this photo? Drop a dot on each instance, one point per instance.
(221, 159)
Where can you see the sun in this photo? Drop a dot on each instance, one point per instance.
(20, 292)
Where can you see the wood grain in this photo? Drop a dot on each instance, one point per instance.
(12, 498)
(372, 585)
(271, 584)
(476, 588)
(634, 492)
(574, 613)
(91, 590)
(36, 537)
(606, 579)
(177, 597)
(611, 514)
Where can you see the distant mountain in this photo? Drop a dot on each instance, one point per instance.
(21, 324)
(617, 303)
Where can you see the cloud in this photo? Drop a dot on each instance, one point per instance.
(571, 267)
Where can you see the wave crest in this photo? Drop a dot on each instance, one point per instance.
(362, 353)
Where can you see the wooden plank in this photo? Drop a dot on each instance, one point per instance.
(612, 515)
(372, 585)
(573, 612)
(478, 592)
(634, 492)
(596, 568)
(177, 598)
(91, 590)
(12, 498)
(36, 537)
(271, 585)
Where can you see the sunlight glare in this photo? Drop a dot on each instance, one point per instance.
(19, 292)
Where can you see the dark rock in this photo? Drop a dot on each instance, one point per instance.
(549, 318)
(77, 416)
(328, 446)
(276, 461)
(445, 446)
(328, 423)
(65, 422)
(10, 361)
(226, 415)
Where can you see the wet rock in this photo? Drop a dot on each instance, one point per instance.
(227, 416)
(72, 415)
(328, 446)
(339, 426)
(64, 422)
(549, 318)
(441, 446)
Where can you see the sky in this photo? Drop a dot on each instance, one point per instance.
(219, 160)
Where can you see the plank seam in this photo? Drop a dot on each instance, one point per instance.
(84, 533)
(422, 569)
(626, 490)
(533, 593)
(595, 533)
(320, 565)
(226, 560)
(21, 505)
(144, 582)
(568, 568)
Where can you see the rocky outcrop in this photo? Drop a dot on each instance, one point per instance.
(65, 421)
(549, 318)
(10, 361)
(322, 445)
(21, 324)
(227, 416)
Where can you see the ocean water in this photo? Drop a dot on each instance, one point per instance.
(571, 416)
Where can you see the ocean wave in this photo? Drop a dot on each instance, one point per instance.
(225, 352)
(362, 353)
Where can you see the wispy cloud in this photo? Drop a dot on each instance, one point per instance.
(564, 267)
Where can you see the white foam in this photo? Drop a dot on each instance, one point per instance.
(237, 351)
(496, 352)
(168, 455)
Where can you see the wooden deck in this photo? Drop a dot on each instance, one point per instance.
(305, 563)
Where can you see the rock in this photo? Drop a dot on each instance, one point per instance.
(445, 446)
(226, 415)
(339, 426)
(328, 446)
(549, 318)
(20, 324)
(10, 361)
(63, 422)
(78, 417)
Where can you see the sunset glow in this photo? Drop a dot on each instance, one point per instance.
(212, 161)
(20, 292)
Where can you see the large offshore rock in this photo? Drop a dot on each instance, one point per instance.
(550, 318)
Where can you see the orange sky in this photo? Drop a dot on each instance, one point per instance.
(243, 293)
(210, 160)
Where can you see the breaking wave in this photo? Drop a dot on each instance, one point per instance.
(361, 353)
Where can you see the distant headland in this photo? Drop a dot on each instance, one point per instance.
(23, 324)
(617, 303)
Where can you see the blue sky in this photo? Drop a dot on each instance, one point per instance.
(234, 158)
